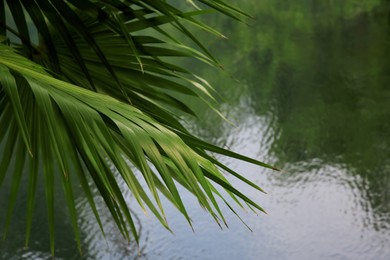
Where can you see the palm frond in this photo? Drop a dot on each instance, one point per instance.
(96, 96)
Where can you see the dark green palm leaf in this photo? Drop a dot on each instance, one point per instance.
(97, 96)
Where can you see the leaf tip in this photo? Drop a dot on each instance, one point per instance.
(30, 153)
(142, 67)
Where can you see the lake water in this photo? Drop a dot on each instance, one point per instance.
(309, 93)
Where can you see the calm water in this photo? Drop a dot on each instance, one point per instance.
(310, 95)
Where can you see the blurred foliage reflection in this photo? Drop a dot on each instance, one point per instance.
(322, 72)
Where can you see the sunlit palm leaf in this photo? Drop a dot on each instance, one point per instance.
(96, 96)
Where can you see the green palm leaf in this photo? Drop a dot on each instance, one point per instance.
(96, 97)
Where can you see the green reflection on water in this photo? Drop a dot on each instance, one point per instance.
(323, 71)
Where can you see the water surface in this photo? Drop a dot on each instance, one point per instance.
(311, 95)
